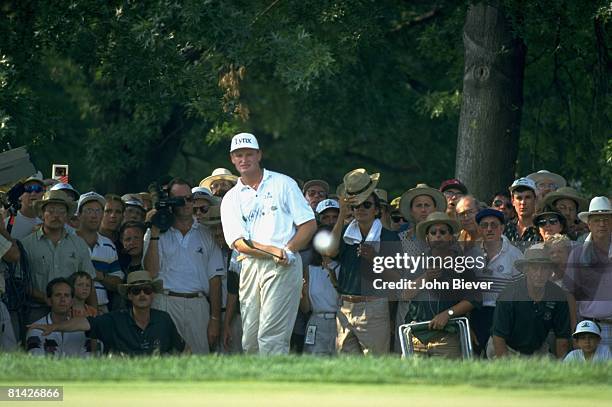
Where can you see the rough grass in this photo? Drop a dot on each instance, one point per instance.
(509, 373)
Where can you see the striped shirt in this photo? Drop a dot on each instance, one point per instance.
(104, 259)
(499, 270)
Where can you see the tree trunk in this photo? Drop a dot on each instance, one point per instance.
(490, 121)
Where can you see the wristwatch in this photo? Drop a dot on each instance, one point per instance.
(450, 312)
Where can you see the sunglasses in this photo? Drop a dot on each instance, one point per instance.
(203, 209)
(33, 188)
(551, 221)
(433, 232)
(366, 205)
(398, 219)
(147, 289)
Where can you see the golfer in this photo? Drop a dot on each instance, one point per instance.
(266, 218)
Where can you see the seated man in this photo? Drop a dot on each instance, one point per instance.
(139, 330)
(38, 342)
(430, 300)
(528, 309)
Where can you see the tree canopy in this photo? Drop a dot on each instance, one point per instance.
(126, 91)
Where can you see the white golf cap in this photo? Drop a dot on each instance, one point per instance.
(205, 193)
(244, 140)
(523, 182)
(327, 204)
(587, 326)
(89, 197)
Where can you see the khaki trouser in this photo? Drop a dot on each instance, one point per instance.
(190, 315)
(443, 344)
(363, 327)
(325, 333)
(269, 300)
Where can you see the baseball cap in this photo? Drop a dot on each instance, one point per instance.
(523, 182)
(483, 213)
(453, 183)
(327, 204)
(88, 197)
(205, 193)
(244, 140)
(587, 326)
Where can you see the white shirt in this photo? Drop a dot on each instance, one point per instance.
(187, 263)
(321, 292)
(500, 270)
(104, 259)
(602, 353)
(23, 226)
(268, 215)
(56, 343)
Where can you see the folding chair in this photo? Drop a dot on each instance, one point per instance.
(463, 326)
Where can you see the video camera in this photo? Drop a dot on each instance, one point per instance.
(164, 205)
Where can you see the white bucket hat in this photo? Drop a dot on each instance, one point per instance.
(600, 205)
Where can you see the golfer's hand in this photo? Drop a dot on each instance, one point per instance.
(46, 329)
(439, 321)
(288, 258)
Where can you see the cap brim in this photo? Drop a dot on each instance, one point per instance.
(423, 226)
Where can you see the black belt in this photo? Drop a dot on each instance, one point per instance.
(185, 295)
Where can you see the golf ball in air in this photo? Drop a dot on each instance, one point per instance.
(322, 241)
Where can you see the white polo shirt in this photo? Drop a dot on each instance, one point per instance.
(187, 263)
(268, 215)
(56, 343)
(501, 271)
(321, 292)
(105, 260)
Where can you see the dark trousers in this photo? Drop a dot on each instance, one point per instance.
(481, 320)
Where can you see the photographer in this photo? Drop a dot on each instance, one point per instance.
(23, 218)
(189, 262)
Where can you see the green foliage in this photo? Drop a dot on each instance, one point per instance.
(126, 91)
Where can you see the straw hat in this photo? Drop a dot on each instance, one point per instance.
(57, 196)
(219, 174)
(137, 278)
(435, 218)
(421, 189)
(566, 193)
(358, 183)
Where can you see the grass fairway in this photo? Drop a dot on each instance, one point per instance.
(254, 394)
(315, 382)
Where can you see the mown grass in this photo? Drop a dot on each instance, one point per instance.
(509, 373)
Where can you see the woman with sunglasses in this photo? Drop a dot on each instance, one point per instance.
(363, 319)
(549, 223)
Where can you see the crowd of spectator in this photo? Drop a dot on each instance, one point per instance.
(229, 266)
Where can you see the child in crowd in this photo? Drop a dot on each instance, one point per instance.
(82, 284)
(588, 336)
